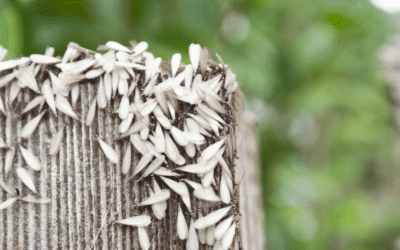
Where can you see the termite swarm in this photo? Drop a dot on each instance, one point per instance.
(180, 119)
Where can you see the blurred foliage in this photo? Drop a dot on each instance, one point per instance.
(309, 70)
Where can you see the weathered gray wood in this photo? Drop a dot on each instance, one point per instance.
(250, 192)
(88, 192)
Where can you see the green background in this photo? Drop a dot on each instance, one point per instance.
(329, 145)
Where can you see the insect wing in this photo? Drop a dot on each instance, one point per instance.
(8, 203)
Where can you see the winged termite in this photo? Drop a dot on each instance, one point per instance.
(26, 78)
(181, 226)
(30, 127)
(211, 218)
(91, 113)
(203, 60)
(153, 166)
(43, 59)
(179, 136)
(148, 107)
(211, 113)
(193, 184)
(217, 245)
(101, 95)
(123, 86)
(137, 221)
(149, 63)
(77, 67)
(158, 208)
(114, 80)
(195, 138)
(194, 54)
(162, 171)
(32, 104)
(194, 169)
(171, 110)
(192, 242)
(126, 163)
(179, 188)
(161, 97)
(200, 121)
(157, 189)
(35, 199)
(171, 150)
(108, 151)
(160, 146)
(228, 237)
(201, 232)
(124, 107)
(133, 109)
(6, 79)
(210, 238)
(156, 66)
(30, 159)
(134, 128)
(223, 227)
(108, 86)
(126, 123)
(8, 203)
(117, 46)
(14, 90)
(148, 91)
(138, 144)
(63, 105)
(7, 187)
(211, 150)
(188, 76)
(48, 94)
(180, 160)
(94, 73)
(206, 194)
(26, 178)
(143, 238)
(208, 178)
(224, 190)
(132, 87)
(67, 55)
(224, 165)
(138, 100)
(75, 92)
(156, 198)
(230, 78)
(215, 105)
(189, 148)
(175, 62)
(14, 63)
(233, 88)
(163, 120)
(140, 48)
(142, 163)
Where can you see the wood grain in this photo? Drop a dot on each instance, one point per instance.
(88, 192)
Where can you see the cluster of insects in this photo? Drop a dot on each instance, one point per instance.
(180, 119)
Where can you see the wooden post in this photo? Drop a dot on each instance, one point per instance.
(88, 192)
